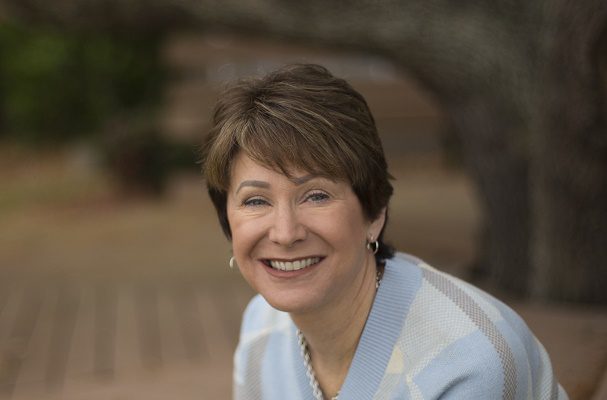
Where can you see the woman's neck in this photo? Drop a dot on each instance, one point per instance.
(332, 334)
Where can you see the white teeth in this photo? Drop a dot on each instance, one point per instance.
(294, 265)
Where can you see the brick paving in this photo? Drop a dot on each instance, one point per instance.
(79, 340)
(73, 340)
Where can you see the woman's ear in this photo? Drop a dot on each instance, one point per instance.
(378, 224)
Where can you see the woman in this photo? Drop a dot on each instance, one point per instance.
(296, 171)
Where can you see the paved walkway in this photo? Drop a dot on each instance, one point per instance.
(75, 340)
(113, 340)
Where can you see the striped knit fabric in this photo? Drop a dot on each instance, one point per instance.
(428, 336)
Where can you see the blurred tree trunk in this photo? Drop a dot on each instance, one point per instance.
(569, 162)
(520, 81)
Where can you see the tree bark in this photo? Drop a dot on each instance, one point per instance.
(518, 79)
(569, 167)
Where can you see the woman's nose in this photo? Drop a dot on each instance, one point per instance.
(286, 227)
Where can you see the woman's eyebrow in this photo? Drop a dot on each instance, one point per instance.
(259, 184)
(303, 179)
(265, 185)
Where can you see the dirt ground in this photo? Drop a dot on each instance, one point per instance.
(96, 290)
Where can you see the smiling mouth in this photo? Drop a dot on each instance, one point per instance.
(292, 265)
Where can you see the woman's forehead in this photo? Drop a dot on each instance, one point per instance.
(246, 168)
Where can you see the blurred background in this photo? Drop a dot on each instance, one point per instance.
(114, 278)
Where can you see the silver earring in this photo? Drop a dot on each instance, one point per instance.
(373, 245)
(232, 262)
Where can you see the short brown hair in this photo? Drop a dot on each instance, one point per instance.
(299, 116)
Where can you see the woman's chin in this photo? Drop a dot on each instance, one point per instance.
(293, 303)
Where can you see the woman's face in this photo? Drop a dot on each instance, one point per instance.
(300, 242)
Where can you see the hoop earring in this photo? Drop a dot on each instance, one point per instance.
(373, 245)
(232, 262)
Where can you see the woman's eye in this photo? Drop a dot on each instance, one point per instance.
(254, 202)
(317, 197)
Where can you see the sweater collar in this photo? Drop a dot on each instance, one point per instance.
(400, 282)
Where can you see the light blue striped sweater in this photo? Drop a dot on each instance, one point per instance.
(428, 336)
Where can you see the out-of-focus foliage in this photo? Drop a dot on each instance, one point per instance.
(56, 85)
(136, 157)
(140, 159)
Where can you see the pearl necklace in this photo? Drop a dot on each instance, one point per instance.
(305, 354)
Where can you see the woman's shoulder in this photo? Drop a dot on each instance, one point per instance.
(453, 326)
(439, 291)
(266, 336)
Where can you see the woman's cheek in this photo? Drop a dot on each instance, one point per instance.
(246, 233)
